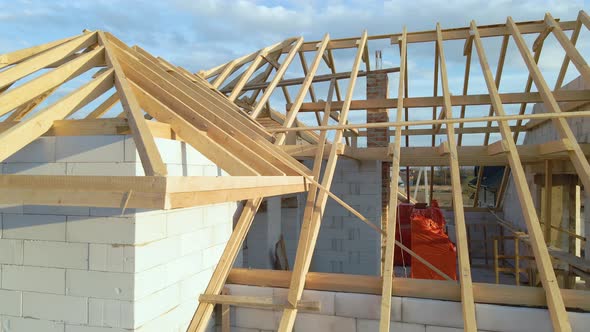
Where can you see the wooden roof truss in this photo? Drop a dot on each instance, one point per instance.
(561, 105)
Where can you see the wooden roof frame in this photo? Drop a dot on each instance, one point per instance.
(503, 152)
(223, 120)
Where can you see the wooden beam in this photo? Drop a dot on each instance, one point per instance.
(555, 302)
(481, 99)
(388, 275)
(144, 141)
(256, 302)
(311, 225)
(566, 59)
(316, 79)
(468, 304)
(104, 107)
(15, 57)
(25, 109)
(44, 59)
(28, 91)
(294, 109)
(196, 137)
(18, 136)
(278, 77)
(547, 211)
(407, 287)
(570, 49)
(553, 116)
(436, 156)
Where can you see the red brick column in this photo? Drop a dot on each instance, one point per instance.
(377, 88)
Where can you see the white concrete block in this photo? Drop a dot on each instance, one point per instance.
(257, 319)
(11, 251)
(69, 309)
(89, 149)
(370, 325)
(579, 320)
(433, 328)
(34, 169)
(156, 304)
(193, 156)
(32, 278)
(20, 324)
(34, 227)
(81, 328)
(326, 299)
(111, 258)
(10, 302)
(105, 285)
(170, 150)
(95, 169)
(41, 150)
(432, 312)
(182, 221)
(312, 322)
(56, 254)
(110, 313)
(365, 306)
(211, 255)
(507, 318)
(156, 253)
(193, 286)
(177, 170)
(194, 241)
(150, 227)
(101, 230)
(56, 210)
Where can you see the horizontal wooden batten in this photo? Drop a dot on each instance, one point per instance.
(428, 101)
(154, 192)
(406, 287)
(430, 156)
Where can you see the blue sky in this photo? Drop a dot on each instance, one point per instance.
(201, 34)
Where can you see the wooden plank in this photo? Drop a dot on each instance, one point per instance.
(21, 134)
(311, 225)
(388, 275)
(256, 302)
(11, 58)
(25, 109)
(547, 211)
(480, 99)
(407, 287)
(196, 137)
(570, 49)
(553, 116)
(28, 91)
(554, 299)
(566, 59)
(294, 109)
(45, 59)
(175, 95)
(104, 107)
(144, 141)
(467, 302)
(277, 78)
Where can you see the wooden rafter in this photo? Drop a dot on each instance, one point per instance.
(144, 141)
(384, 321)
(468, 304)
(554, 299)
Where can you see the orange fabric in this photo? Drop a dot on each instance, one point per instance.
(430, 241)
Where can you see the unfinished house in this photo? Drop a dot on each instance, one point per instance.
(308, 186)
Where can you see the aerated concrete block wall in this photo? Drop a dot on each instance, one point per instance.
(345, 244)
(87, 269)
(347, 312)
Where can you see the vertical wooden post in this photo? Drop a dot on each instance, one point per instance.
(547, 200)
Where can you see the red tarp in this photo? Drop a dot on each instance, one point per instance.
(430, 242)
